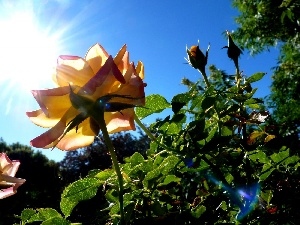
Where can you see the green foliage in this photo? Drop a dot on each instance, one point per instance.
(263, 24)
(47, 216)
(78, 191)
(154, 104)
(213, 160)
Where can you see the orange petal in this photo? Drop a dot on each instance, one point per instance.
(49, 136)
(135, 88)
(39, 118)
(96, 57)
(84, 136)
(103, 79)
(72, 70)
(119, 57)
(140, 70)
(120, 121)
(53, 101)
(124, 63)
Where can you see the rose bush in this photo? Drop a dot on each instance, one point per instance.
(8, 183)
(95, 76)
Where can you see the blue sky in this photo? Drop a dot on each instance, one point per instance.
(156, 32)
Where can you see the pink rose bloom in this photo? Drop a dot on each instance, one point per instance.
(8, 182)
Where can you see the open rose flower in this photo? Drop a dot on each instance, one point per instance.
(93, 77)
(8, 183)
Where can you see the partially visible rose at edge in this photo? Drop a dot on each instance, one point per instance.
(96, 75)
(8, 183)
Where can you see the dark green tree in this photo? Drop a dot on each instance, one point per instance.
(262, 25)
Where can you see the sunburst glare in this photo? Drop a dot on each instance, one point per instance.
(33, 35)
(28, 55)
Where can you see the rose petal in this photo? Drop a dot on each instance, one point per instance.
(4, 161)
(120, 121)
(11, 169)
(10, 179)
(74, 71)
(140, 70)
(134, 87)
(39, 118)
(96, 57)
(122, 59)
(104, 78)
(79, 138)
(53, 101)
(4, 193)
(49, 136)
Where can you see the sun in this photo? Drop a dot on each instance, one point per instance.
(27, 53)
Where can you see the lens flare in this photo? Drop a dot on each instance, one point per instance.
(245, 197)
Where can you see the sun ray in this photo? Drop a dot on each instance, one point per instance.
(27, 54)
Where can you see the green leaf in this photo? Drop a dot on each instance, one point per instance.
(291, 160)
(196, 129)
(80, 190)
(253, 101)
(179, 118)
(254, 106)
(128, 198)
(160, 123)
(213, 128)
(161, 166)
(267, 196)
(208, 102)
(231, 109)
(229, 178)
(280, 156)
(223, 205)
(179, 101)
(196, 101)
(136, 159)
(173, 128)
(27, 214)
(103, 175)
(266, 172)
(168, 164)
(226, 131)
(154, 104)
(255, 77)
(56, 221)
(260, 157)
(44, 214)
(158, 209)
(198, 211)
(170, 179)
(112, 196)
(154, 174)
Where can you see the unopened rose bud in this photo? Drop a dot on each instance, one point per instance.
(196, 58)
